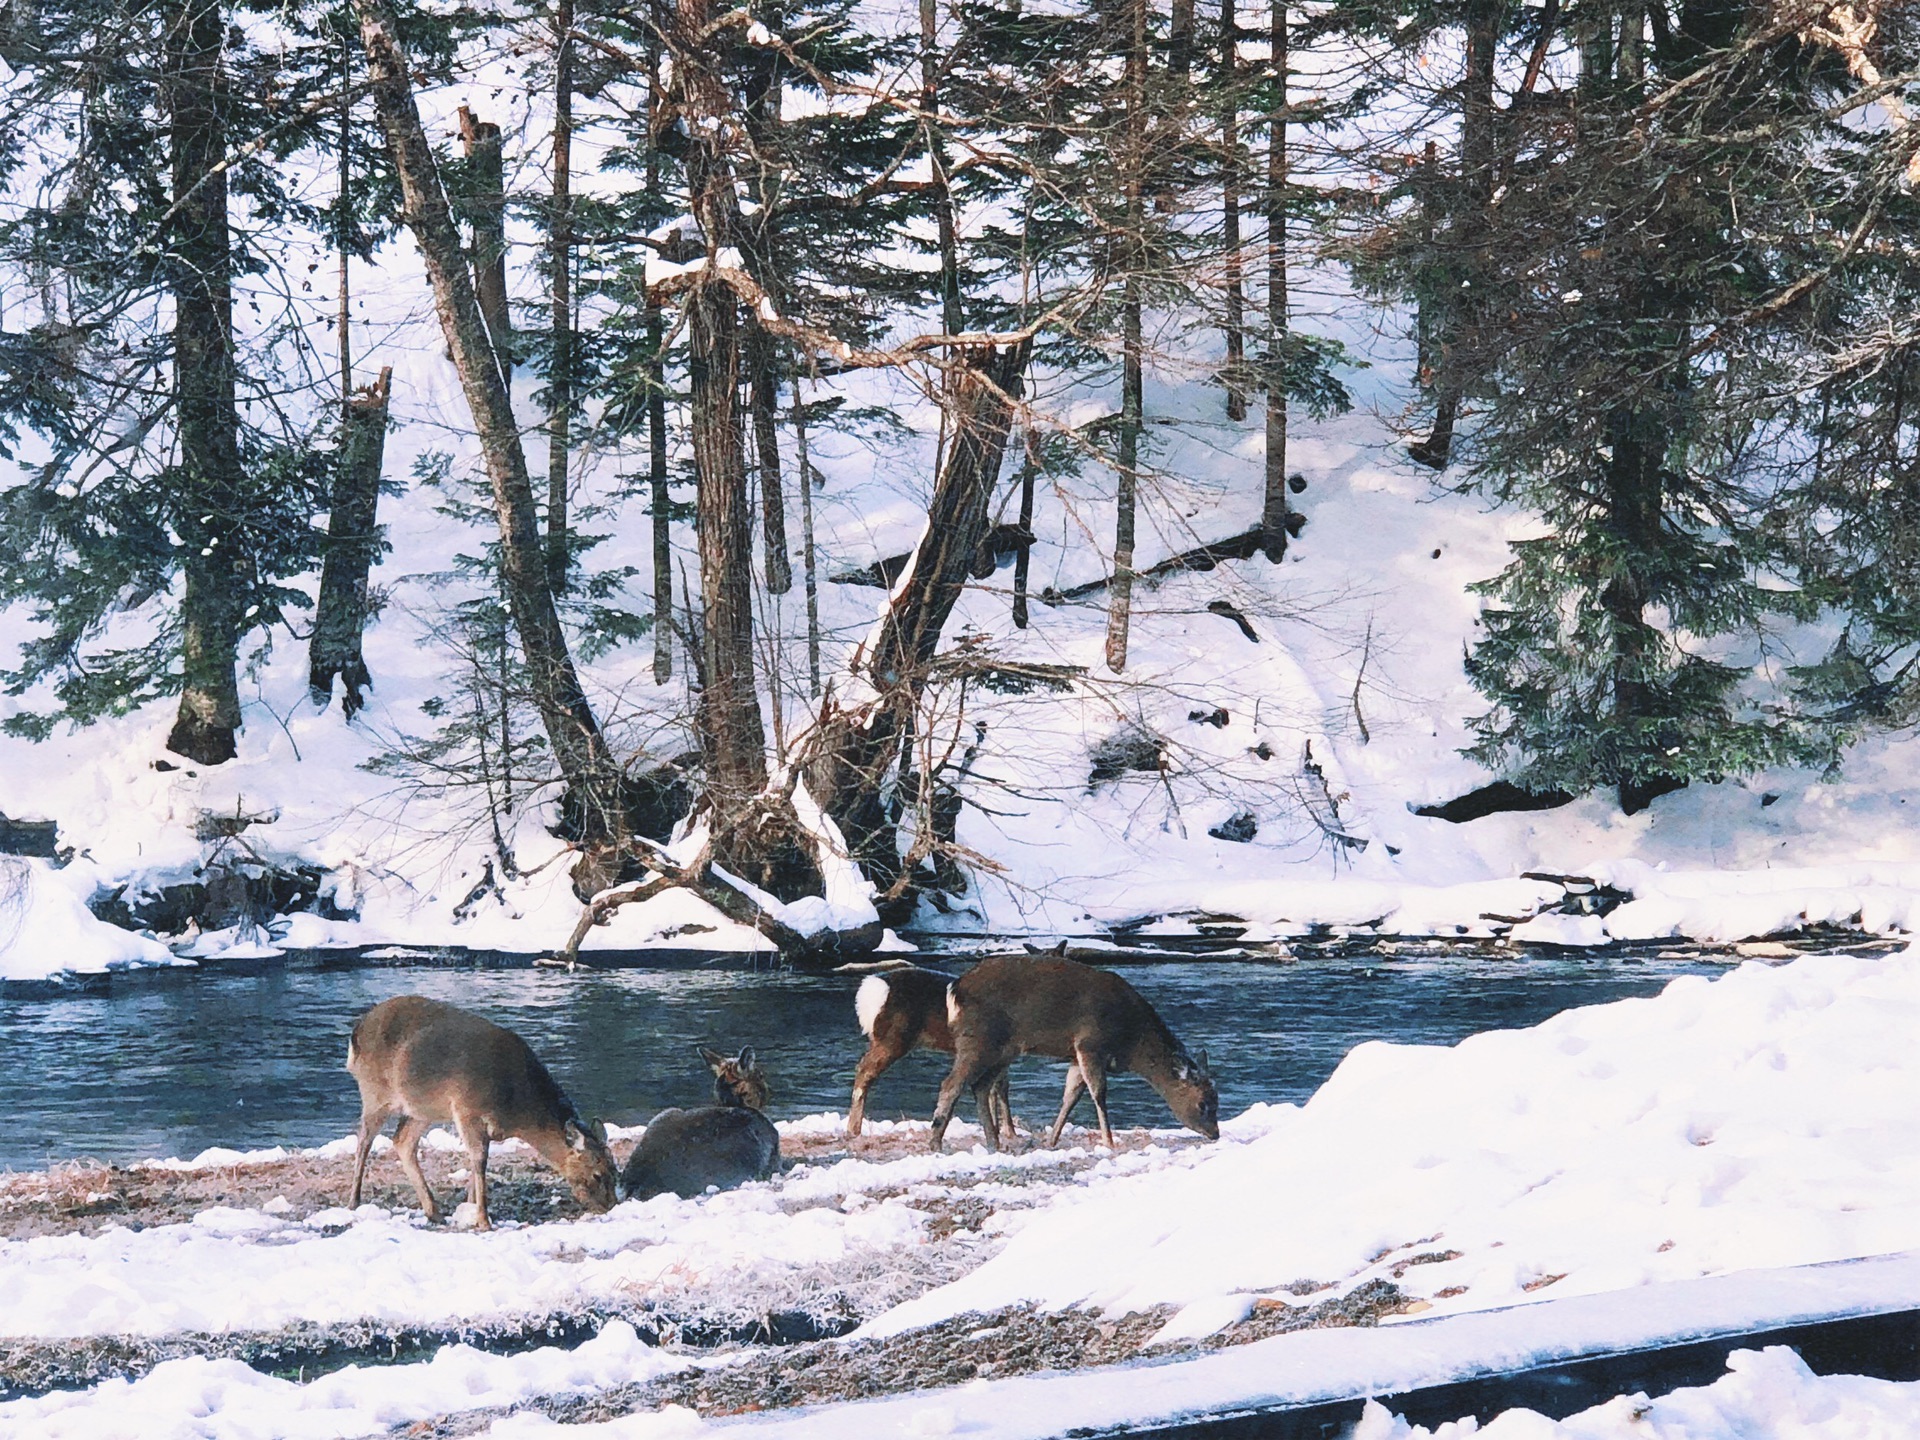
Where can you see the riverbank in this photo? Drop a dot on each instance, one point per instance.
(1760, 1120)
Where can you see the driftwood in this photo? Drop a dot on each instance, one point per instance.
(724, 893)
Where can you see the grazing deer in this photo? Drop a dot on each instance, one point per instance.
(428, 1062)
(1013, 1005)
(900, 1010)
(722, 1145)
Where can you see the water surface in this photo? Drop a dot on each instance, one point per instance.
(175, 1065)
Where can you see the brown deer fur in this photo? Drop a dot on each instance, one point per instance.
(428, 1062)
(1012, 1006)
(900, 1011)
(721, 1145)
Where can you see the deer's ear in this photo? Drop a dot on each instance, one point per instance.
(1200, 1063)
(713, 1057)
(598, 1129)
(745, 1058)
(575, 1136)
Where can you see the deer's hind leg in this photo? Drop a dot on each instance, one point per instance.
(1069, 1097)
(1094, 1072)
(990, 1094)
(473, 1130)
(371, 1119)
(406, 1143)
(882, 1055)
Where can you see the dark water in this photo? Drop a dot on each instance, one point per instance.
(175, 1066)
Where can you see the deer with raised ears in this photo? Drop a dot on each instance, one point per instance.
(727, 1143)
(429, 1062)
(1012, 1006)
(903, 1009)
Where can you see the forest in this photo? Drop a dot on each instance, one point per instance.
(1650, 266)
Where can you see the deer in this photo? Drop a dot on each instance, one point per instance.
(900, 1010)
(1011, 1006)
(727, 1143)
(430, 1062)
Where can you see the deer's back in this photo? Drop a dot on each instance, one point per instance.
(429, 1060)
(685, 1151)
(1045, 1006)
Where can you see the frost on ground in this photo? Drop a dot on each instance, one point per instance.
(1761, 1119)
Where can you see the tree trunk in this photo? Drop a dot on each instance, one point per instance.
(950, 309)
(205, 416)
(353, 544)
(749, 838)
(1634, 501)
(806, 540)
(560, 263)
(855, 747)
(1023, 558)
(1120, 595)
(1235, 370)
(1273, 509)
(662, 499)
(763, 380)
(487, 213)
(1477, 159)
(765, 397)
(574, 734)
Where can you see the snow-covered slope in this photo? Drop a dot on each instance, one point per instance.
(1346, 705)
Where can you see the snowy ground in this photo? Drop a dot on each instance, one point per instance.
(1761, 1120)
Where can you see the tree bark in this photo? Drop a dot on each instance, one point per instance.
(205, 415)
(1023, 558)
(856, 747)
(1634, 502)
(1132, 379)
(749, 839)
(560, 283)
(1477, 160)
(658, 487)
(571, 728)
(1273, 509)
(808, 555)
(487, 213)
(1235, 370)
(950, 307)
(353, 544)
(765, 397)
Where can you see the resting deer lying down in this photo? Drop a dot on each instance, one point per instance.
(722, 1145)
(1011, 1006)
(430, 1062)
(901, 1010)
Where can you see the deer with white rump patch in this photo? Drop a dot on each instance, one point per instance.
(1012, 1006)
(902, 1009)
(428, 1062)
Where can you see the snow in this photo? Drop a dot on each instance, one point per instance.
(203, 1399)
(1766, 1395)
(46, 930)
(1314, 1366)
(1766, 1118)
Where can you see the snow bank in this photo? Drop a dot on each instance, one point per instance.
(46, 930)
(1765, 1118)
(1744, 904)
(1766, 1395)
(232, 1269)
(202, 1399)
(1309, 1367)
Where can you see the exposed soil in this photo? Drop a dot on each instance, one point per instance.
(1019, 1341)
(84, 1197)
